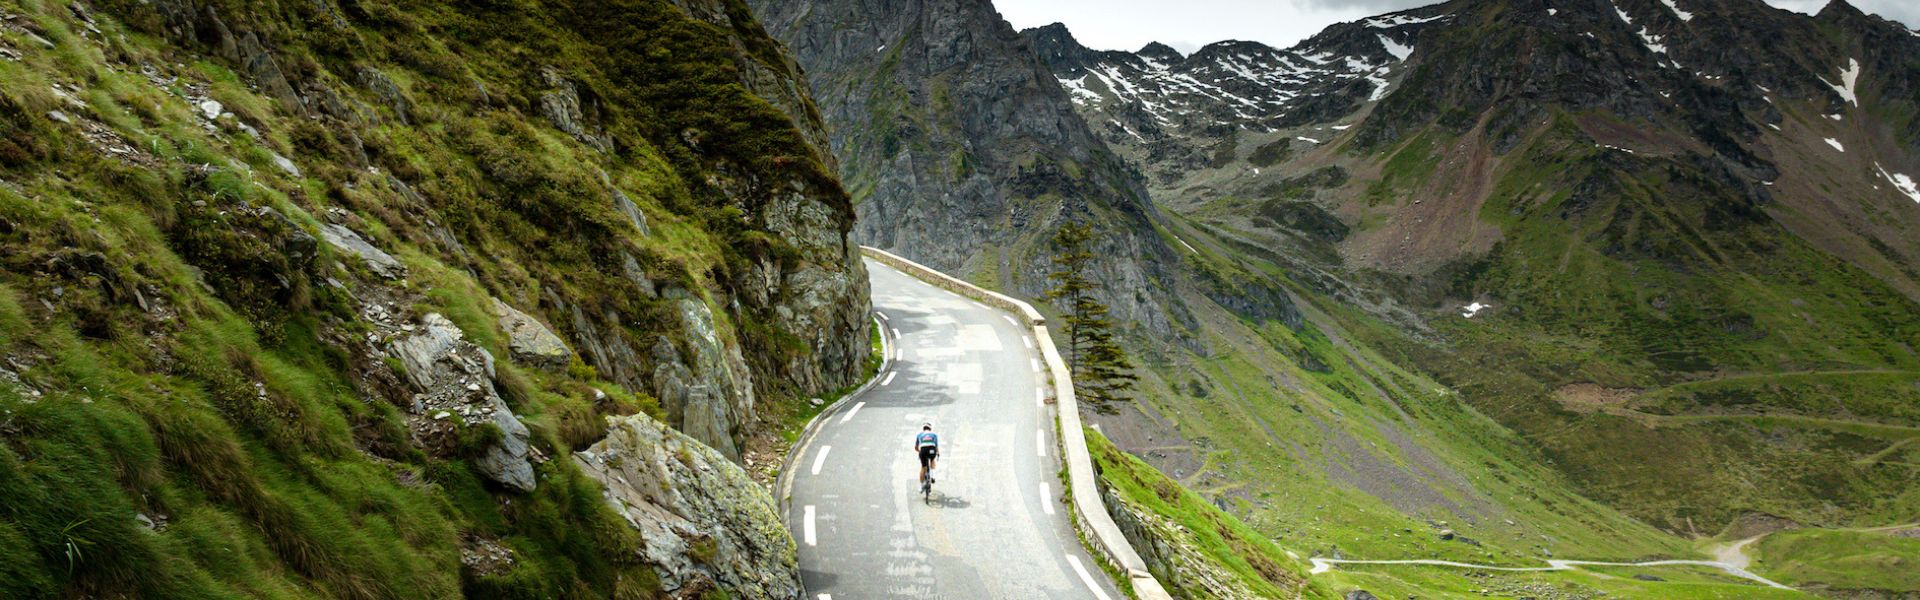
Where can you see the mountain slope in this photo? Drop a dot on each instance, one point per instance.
(321, 299)
(963, 154)
(1689, 220)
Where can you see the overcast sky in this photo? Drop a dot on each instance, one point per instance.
(1189, 24)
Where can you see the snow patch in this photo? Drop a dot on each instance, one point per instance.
(1834, 117)
(1379, 84)
(1900, 182)
(1553, 11)
(1474, 309)
(1077, 90)
(1306, 139)
(1848, 77)
(1775, 127)
(882, 47)
(1341, 127)
(1836, 144)
(1391, 21)
(1684, 15)
(1184, 243)
(1398, 50)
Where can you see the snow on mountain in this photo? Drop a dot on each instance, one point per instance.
(1848, 77)
(1155, 92)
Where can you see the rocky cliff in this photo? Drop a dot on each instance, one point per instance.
(307, 298)
(963, 154)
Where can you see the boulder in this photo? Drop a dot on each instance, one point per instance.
(705, 524)
(382, 264)
(1360, 595)
(529, 340)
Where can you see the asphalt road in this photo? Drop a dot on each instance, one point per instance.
(995, 526)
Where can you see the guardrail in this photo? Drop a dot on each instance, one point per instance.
(1090, 510)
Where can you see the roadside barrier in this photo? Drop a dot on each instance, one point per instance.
(1096, 524)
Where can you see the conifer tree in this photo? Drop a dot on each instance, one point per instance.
(1102, 372)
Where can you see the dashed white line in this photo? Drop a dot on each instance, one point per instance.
(851, 411)
(1039, 446)
(1085, 577)
(1036, 364)
(820, 458)
(1009, 319)
(883, 316)
(1028, 341)
(826, 597)
(889, 378)
(1039, 397)
(813, 540)
(896, 332)
(1046, 497)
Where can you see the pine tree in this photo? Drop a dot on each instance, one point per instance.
(1101, 370)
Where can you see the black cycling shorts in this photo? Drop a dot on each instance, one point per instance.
(927, 454)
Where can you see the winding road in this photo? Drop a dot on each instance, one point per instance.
(995, 526)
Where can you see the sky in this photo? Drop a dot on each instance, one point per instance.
(1189, 24)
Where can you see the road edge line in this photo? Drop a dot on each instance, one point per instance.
(1100, 533)
(784, 483)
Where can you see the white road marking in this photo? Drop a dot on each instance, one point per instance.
(1084, 576)
(1039, 445)
(883, 317)
(820, 458)
(1039, 397)
(1009, 319)
(1046, 497)
(812, 540)
(889, 378)
(1036, 364)
(896, 332)
(826, 597)
(851, 411)
(1028, 341)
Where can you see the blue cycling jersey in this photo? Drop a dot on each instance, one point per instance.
(926, 438)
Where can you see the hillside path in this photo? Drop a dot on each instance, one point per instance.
(1322, 565)
(995, 526)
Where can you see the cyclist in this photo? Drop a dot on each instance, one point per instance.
(927, 445)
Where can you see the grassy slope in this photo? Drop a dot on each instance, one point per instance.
(1840, 560)
(1808, 378)
(237, 411)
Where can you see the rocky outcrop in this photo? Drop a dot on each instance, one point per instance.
(707, 391)
(346, 240)
(529, 340)
(706, 526)
(454, 389)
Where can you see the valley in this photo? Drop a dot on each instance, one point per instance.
(1482, 282)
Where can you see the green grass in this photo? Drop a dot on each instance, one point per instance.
(1840, 560)
(1256, 563)
(203, 364)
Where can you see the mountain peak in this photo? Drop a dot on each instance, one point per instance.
(1157, 50)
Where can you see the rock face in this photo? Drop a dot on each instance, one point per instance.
(705, 524)
(964, 154)
(453, 381)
